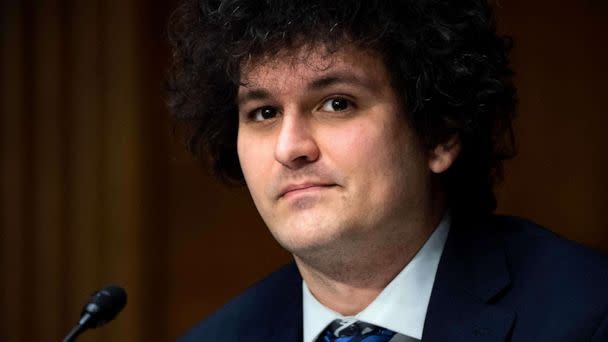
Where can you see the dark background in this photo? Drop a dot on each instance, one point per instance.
(96, 188)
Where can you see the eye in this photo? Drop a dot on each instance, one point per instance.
(336, 104)
(263, 113)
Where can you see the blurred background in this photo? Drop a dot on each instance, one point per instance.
(95, 187)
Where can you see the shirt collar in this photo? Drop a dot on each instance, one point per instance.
(401, 306)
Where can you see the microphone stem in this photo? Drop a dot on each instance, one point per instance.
(71, 336)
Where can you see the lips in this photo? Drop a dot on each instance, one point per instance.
(295, 188)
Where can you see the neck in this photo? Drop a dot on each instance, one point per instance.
(347, 282)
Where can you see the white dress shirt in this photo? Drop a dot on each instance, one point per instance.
(401, 306)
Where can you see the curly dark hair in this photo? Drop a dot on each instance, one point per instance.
(445, 58)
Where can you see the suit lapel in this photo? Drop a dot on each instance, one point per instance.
(288, 327)
(471, 275)
(288, 317)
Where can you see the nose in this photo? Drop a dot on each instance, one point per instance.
(296, 145)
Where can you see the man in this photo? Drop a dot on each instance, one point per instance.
(370, 135)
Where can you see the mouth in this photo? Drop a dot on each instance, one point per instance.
(294, 190)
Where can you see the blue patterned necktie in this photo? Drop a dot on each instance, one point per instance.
(344, 331)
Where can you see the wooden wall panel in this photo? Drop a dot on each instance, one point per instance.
(121, 163)
(12, 171)
(84, 165)
(558, 178)
(47, 232)
(74, 172)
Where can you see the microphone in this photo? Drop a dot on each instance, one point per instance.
(103, 306)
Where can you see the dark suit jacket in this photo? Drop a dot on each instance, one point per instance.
(504, 279)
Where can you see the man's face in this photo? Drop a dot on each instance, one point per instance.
(326, 151)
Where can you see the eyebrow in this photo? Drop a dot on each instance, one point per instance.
(253, 94)
(339, 78)
(317, 84)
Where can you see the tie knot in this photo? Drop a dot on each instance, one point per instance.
(349, 330)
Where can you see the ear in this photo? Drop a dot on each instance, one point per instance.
(444, 155)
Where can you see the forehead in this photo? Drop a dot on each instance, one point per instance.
(285, 67)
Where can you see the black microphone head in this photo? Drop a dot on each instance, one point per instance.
(103, 306)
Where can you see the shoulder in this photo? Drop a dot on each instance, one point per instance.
(245, 314)
(551, 276)
(528, 242)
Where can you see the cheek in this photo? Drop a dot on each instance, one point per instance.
(253, 160)
(380, 164)
(360, 150)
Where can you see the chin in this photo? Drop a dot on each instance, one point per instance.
(311, 238)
